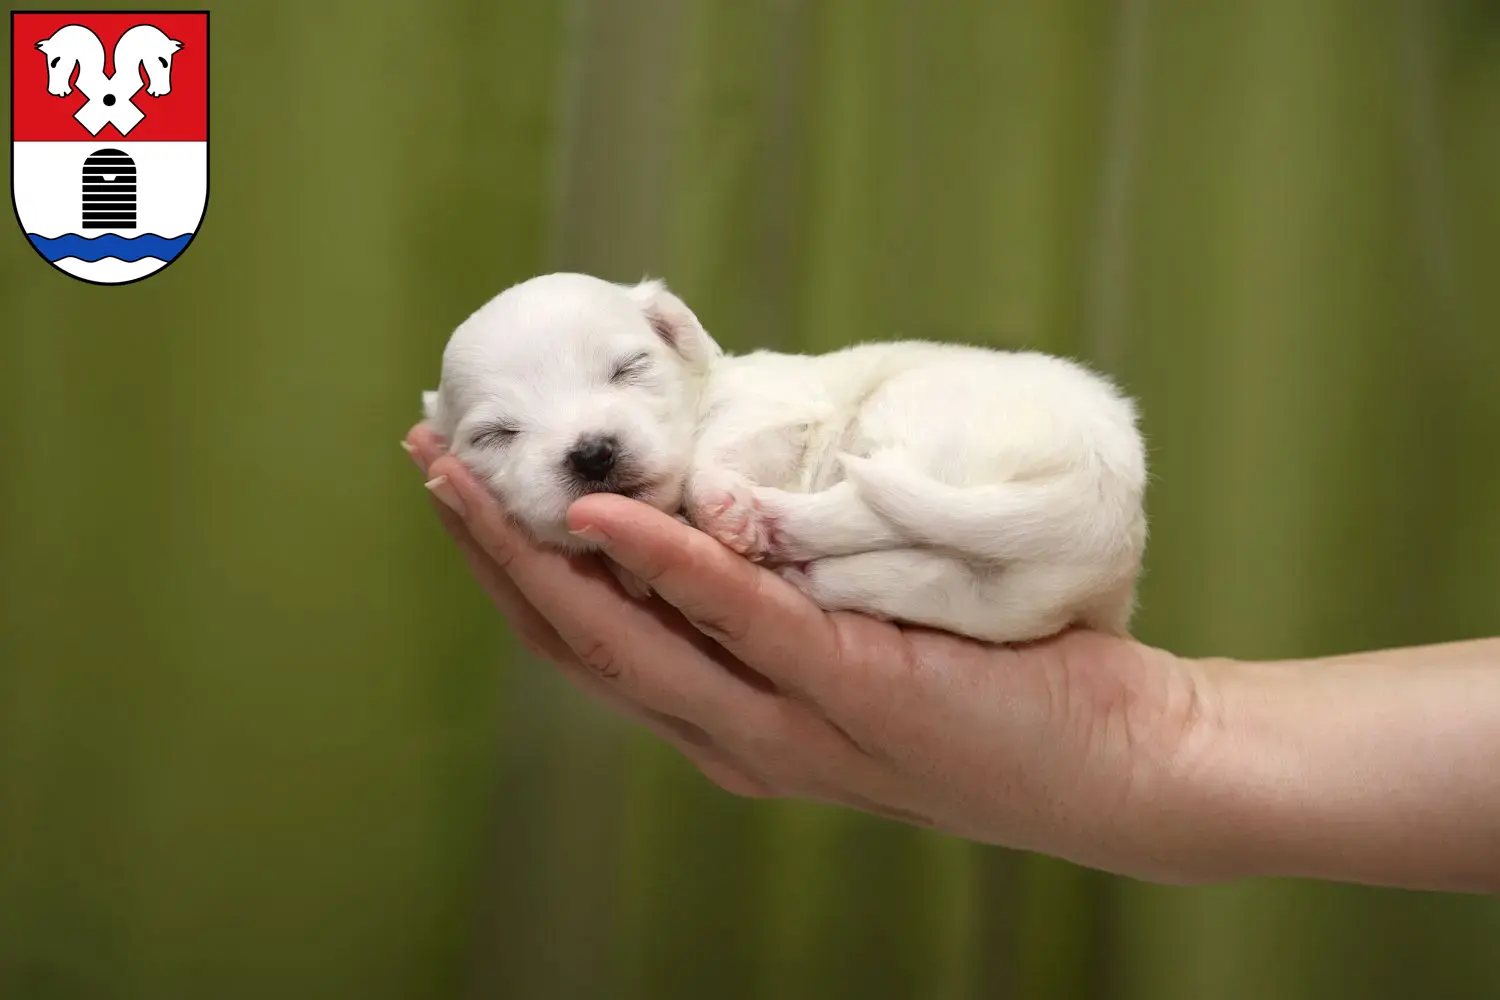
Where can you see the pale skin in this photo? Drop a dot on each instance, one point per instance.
(1380, 768)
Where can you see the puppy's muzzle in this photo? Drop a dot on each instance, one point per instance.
(593, 457)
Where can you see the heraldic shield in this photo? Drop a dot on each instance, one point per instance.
(109, 138)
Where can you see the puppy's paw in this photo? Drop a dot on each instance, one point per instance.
(633, 585)
(727, 509)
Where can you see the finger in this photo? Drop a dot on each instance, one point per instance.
(693, 742)
(543, 642)
(628, 582)
(534, 631)
(627, 644)
(754, 614)
(733, 780)
(541, 639)
(423, 445)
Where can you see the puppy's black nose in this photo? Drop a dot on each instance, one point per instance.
(593, 457)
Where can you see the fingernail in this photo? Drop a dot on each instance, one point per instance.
(444, 491)
(406, 446)
(591, 534)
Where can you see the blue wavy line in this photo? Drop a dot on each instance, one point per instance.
(110, 245)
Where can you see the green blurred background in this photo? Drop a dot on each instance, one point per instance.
(261, 736)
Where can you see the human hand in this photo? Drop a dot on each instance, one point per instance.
(1067, 746)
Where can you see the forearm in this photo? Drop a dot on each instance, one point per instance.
(1381, 768)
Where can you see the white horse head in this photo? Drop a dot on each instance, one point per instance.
(146, 45)
(71, 47)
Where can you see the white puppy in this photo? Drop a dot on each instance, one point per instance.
(993, 494)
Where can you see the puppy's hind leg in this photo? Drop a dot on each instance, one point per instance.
(776, 526)
(831, 522)
(922, 587)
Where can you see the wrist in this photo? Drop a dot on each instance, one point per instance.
(1147, 807)
(1190, 798)
(1228, 795)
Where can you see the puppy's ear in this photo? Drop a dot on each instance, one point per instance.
(675, 323)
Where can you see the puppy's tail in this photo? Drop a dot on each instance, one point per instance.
(1031, 520)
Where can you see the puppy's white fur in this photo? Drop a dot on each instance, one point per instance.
(993, 494)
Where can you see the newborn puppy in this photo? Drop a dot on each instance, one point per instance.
(993, 494)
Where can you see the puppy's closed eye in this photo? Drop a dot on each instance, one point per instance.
(494, 434)
(632, 369)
